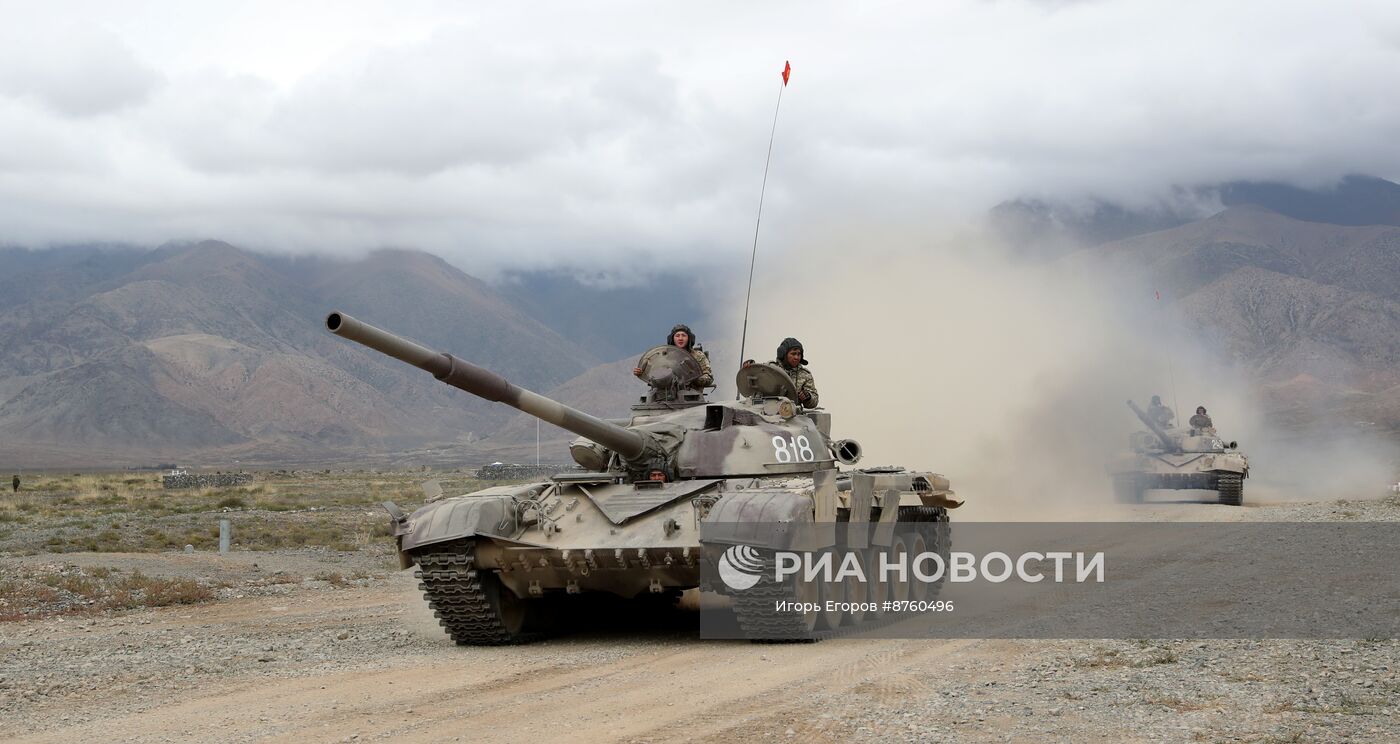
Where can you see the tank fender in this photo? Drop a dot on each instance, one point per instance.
(776, 520)
(451, 519)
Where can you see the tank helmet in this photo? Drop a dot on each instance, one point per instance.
(787, 345)
(1200, 409)
(671, 337)
(1156, 400)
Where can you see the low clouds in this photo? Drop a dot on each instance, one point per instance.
(80, 70)
(507, 137)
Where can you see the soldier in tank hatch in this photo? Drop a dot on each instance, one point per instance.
(1201, 420)
(792, 359)
(682, 337)
(1159, 413)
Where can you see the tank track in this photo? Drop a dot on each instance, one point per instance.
(1230, 487)
(460, 600)
(754, 610)
(754, 607)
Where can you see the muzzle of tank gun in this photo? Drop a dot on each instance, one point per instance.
(486, 384)
(846, 451)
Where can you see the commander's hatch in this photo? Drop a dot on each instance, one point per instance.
(766, 380)
(669, 371)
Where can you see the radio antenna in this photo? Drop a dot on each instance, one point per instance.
(753, 256)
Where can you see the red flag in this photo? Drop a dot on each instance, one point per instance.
(1156, 294)
(787, 70)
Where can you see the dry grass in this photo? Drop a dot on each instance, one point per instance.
(120, 512)
(45, 592)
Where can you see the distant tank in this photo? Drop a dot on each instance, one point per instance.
(1181, 459)
(630, 525)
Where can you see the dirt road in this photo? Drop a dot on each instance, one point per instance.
(316, 662)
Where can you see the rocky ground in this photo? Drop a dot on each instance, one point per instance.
(319, 645)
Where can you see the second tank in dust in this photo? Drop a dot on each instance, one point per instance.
(1178, 458)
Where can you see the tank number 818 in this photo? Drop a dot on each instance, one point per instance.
(793, 449)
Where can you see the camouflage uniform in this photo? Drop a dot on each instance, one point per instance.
(801, 378)
(707, 377)
(804, 382)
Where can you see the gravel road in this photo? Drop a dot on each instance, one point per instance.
(301, 659)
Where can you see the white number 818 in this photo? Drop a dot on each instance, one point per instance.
(794, 449)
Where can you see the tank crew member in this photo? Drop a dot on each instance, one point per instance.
(684, 338)
(1160, 413)
(1201, 420)
(791, 359)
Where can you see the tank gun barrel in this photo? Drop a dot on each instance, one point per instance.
(484, 383)
(1155, 427)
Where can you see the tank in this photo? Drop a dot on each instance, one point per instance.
(492, 562)
(1178, 458)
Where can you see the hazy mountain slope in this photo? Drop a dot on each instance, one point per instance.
(1034, 227)
(1185, 258)
(1309, 309)
(604, 315)
(1315, 348)
(207, 351)
(452, 311)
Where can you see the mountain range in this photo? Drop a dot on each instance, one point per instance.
(206, 354)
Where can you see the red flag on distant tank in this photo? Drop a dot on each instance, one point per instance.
(787, 70)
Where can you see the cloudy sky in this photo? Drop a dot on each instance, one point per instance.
(533, 133)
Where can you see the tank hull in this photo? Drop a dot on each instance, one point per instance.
(1222, 472)
(491, 562)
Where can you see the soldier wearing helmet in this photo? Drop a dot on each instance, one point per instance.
(1160, 413)
(792, 359)
(1201, 420)
(683, 338)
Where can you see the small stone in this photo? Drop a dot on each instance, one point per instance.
(790, 732)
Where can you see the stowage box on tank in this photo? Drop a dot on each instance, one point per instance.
(630, 526)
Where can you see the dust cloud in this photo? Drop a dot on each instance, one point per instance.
(1010, 376)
